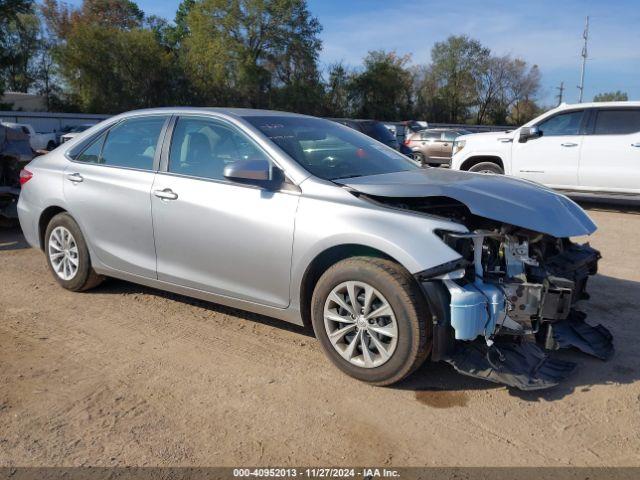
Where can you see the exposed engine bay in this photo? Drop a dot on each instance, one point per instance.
(512, 296)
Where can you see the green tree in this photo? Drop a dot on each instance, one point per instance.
(20, 48)
(337, 91)
(252, 52)
(382, 90)
(428, 104)
(616, 96)
(10, 13)
(456, 66)
(110, 70)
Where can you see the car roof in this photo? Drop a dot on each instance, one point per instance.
(443, 129)
(236, 112)
(569, 106)
(354, 120)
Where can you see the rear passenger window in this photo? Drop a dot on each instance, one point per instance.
(430, 135)
(132, 143)
(617, 122)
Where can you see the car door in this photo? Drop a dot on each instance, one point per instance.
(446, 145)
(107, 187)
(215, 235)
(610, 159)
(430, 145)
(552, 158)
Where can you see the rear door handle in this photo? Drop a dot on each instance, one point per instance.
(637, 145)
(74, 177)
(166, 194)
(569, 144)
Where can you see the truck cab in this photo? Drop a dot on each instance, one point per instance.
(588, 148)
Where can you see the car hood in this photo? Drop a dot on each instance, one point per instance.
(505, 199)
(486, 136)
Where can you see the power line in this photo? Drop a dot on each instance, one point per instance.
(585, 35)
(560, 92)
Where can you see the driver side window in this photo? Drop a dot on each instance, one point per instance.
(562, 124)
(203, 147)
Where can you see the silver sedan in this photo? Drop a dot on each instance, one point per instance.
(313, 223)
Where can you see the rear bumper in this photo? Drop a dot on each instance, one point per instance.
(438, 160)
(28, 217)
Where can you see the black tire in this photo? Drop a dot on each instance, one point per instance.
(51, 145)
(418, 157)
(85, 278)
(487, 167)
(409, 307)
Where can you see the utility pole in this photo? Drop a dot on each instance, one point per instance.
(560, 92)
(585, 35)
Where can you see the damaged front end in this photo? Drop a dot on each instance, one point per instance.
(510, 299)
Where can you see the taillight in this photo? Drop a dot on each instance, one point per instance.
(25, 176)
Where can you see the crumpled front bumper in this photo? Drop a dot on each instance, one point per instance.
(502, 331)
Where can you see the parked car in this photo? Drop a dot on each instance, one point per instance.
(73, 131)
(583, 150)
(38, 141)
(15, 153)
(371, 128)
(315, 223)
(433, 146)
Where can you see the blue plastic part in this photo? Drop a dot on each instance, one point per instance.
(496, 305)
(475, 308)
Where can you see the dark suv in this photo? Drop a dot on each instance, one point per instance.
(371, 128)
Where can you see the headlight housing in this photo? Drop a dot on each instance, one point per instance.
(458, 145)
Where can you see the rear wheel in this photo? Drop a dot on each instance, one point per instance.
(68, 255)
(418, 157)
(371, 319)
(51, 145)
(487, 167)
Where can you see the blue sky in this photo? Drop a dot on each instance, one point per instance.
(547, 33)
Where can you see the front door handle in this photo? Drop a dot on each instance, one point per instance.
(74, 177)
(637, 145)
(569, 144)
(166, 194)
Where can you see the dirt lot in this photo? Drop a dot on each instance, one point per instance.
(126, 375)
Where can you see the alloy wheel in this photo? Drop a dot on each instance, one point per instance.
(360, 324)
(63, 253)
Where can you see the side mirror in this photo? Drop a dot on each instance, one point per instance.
(529, 133)
(258, 172)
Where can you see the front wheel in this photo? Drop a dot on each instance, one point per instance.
(51, 145)
(371, 319)
(487, 167)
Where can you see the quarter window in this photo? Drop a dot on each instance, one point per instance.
(203, 147)
(562, 124)
(617, 122)
(92, 153)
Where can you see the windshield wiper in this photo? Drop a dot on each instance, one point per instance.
(349, 176)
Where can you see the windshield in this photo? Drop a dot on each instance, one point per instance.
(329, 150)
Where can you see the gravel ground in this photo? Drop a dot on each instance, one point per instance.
(126, 375)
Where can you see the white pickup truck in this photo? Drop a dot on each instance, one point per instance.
(587, 149)
(38, 141)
